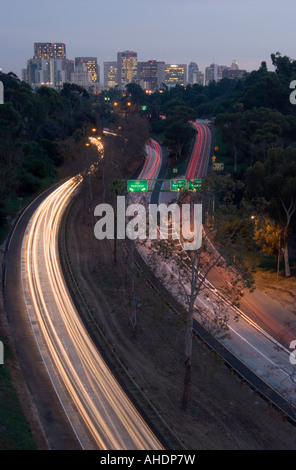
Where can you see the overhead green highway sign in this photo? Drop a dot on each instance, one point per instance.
(194, 185)
(137, 185)
(178, 185)
(218, 166)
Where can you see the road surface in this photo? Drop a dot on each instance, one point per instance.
(99, 412)
(260, 339)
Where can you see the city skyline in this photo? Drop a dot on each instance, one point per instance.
(198, 31)
(50, 66)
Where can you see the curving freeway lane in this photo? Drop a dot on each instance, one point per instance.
(199, 161)
(101, 415)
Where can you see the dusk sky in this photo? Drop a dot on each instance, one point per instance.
(176, 31)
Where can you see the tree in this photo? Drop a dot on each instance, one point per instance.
(177, 135)
(185, 274)
(275, 181)
(267, 235)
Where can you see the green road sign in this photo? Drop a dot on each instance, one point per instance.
(178, 185)
(194, 185)
(137, 185)
(218, 166)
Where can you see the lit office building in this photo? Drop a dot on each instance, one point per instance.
(149, 74)
(91, 64)
(48, 50)
(52, 73)
(82, 76)
(110, 75)
(175, 74)
(49, 72)
(127, 67)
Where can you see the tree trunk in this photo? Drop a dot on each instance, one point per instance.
(187, 384)
(235, 157)
(188, 355)
(286, 260)
(133, 303)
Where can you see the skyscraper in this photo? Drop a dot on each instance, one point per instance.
(82, 76)
(50, 72)
(211, 74)
(234, 65)
(110, 74)
(197, 77)
(92, 66)
(175, 74)
(193, 67)
(49, 50)
(149, 74)
(127, 67)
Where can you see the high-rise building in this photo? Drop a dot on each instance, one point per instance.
(53, 73)
(110, 74)
(92, 66)
(198, 77)
(149, 74)
(234, 65)
(33, 67)
(48, 66)
(211, 74)
(48, 50)
(69, 66)
(50, 72)
(82, 76)
(220, 70)
(175, 74)
(24, 75)
(127, 67)
(192, 67)
(234, 74)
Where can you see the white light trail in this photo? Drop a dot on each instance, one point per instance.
(97, 403)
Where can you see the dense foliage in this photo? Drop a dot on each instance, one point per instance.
(32, 127)
(253, 119)
(255, 124)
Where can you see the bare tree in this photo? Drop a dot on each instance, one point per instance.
(185, 274)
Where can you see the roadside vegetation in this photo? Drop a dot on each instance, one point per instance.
(43, 138)
(15, 430)
(254, 124)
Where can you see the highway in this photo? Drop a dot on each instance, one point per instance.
(258, 342)
(152, 163)
(199, 161)
(101, 415)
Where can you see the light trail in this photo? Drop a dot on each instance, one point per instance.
(254, 346)
(94, 402)
(198, 164)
